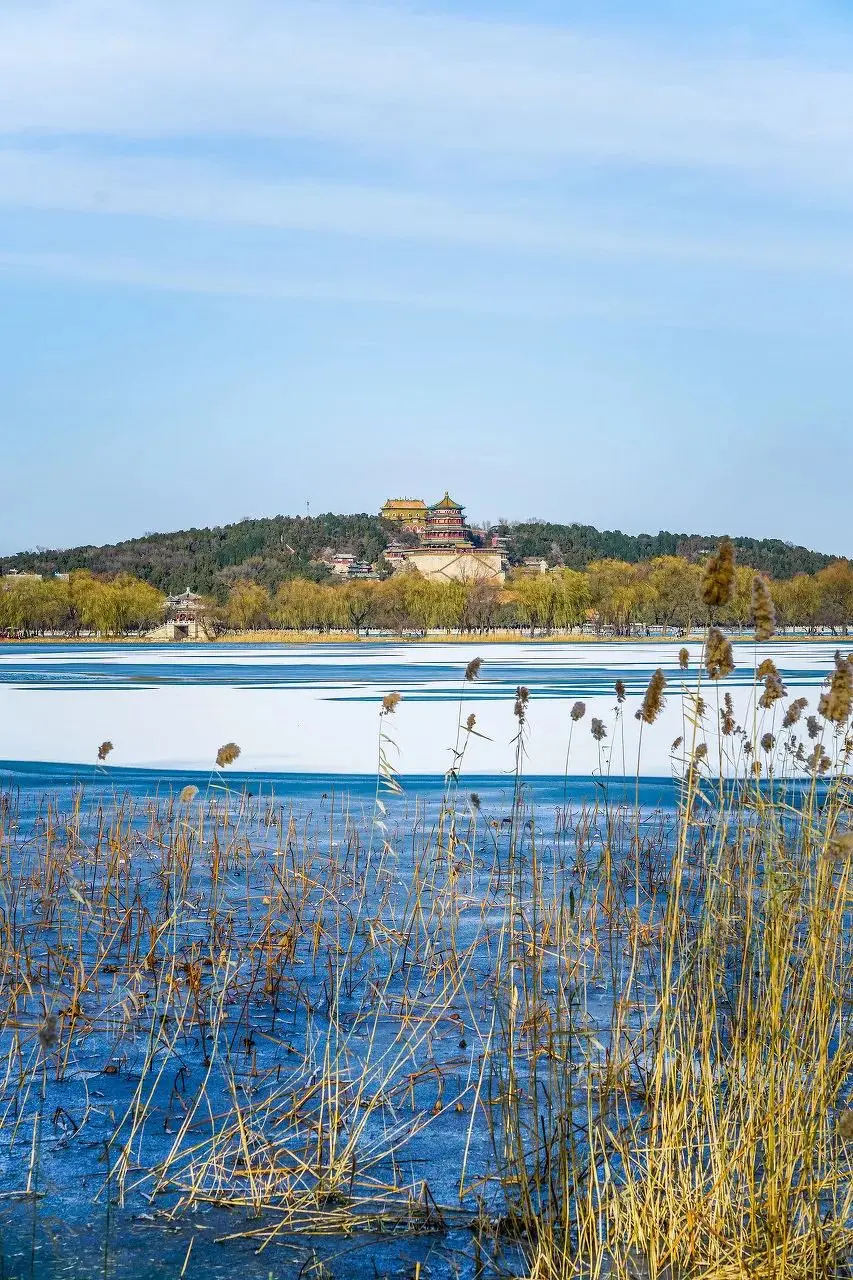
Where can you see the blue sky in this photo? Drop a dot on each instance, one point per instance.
(586, 261)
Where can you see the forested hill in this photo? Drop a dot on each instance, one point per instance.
(210, 560)
(574, 545)
(270, 550)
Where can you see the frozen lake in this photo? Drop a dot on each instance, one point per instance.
(314, 709)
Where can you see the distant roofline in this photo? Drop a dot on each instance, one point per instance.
(446, 504)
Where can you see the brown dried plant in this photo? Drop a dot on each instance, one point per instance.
(818, 762)
(653, 700)
(762, 609)
(795, 710)
(719, 661)
(718, 581)
(727, 716)
(472, 670)
(773, 691)
(837, 704)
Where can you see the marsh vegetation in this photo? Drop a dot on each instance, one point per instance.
(585, 1039)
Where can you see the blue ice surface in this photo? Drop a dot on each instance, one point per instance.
(331, 667)
(541, 792)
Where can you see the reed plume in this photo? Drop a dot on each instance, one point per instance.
(104, 750)
(684, 658)
(472, 671)
(719, 579)
(837, 704)
(773, 691)
(578, 711)
(597, 729)
(795, 710)
(818, 762)
(620, 691)
(762, 609)
(188, 794)
(653, 700)
(727, 716)
(719, 661)
(390, 703)
(227, 754)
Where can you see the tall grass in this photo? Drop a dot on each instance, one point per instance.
(704, 1129)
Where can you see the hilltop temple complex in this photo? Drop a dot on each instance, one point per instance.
(446, 548)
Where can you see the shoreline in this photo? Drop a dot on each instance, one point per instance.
(306, 638)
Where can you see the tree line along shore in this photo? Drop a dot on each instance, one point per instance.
(609, 597)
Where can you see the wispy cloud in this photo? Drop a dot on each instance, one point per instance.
(425, 90)
(72, 181)
(370, 123)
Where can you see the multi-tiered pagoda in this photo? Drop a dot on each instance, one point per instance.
(445, 525)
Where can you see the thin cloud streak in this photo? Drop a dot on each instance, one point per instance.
(68, 182)
(482, 297)
(425, 91)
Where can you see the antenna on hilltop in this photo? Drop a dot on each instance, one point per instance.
(308, 508)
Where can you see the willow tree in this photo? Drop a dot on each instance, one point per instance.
(248, 606)
(302, 605)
